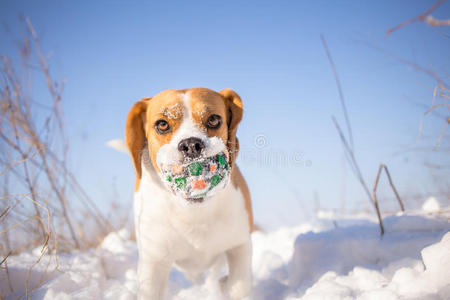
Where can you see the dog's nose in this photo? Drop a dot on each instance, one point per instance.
(191, 147)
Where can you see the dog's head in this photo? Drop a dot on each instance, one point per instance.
(178, 126)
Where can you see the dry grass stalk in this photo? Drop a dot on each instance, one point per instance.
(4, 266)
(34, 208)
(442, 93)
(430, 20)
(442, 132)
(375, 186)
(441, 89)
(341, 93)
(420, 18)
(348, 147)
(357, 171)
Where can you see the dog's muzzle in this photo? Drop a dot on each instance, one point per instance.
(197, 178)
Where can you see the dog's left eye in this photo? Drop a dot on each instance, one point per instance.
(162, 126)
(214, 122)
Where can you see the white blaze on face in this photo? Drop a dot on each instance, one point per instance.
(168, 154)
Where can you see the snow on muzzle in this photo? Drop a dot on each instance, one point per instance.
(197, 178)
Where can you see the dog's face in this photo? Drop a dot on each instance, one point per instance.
(178, 126)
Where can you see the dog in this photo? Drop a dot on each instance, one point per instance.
(174, 228)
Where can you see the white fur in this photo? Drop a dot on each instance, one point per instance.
(192, 237)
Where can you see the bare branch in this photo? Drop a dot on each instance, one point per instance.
(419, 18)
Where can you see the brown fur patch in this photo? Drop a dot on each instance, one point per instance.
(238, 181)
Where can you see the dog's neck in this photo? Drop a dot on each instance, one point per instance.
(149, 174)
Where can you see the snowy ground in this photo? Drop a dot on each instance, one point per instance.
(328, 258)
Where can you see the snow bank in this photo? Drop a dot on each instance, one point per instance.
(410, 280)
(332, 258)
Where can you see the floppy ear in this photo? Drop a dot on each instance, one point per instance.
(135, 134)
(234, 108)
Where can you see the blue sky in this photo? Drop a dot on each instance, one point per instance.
(112, 53)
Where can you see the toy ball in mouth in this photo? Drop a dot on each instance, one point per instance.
(197, 179)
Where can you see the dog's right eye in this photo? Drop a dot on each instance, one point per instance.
(162, 126)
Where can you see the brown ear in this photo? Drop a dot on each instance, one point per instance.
(135, 134)
(234, 107)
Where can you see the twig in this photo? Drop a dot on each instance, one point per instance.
(341, 94)
(33, 153)
(4, 261)
(358, 174)
(4, 212)
(432, 109)
(419, 18)
(381, 168)
(51, 181)
(43, 251)
(349, 148)
(442, 133)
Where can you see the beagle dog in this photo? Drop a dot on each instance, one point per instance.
(175, 226)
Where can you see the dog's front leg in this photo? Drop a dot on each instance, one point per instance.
(238, 283)
(153, 276)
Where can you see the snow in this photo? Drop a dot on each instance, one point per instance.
(431, 205)
(336, 257)
(173, 112)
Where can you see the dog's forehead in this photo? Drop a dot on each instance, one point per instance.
(173, 103)
(203, 101)
(167, 103)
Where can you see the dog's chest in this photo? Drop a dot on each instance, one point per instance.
(221, 230)
(216, 227)
(193, 233)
